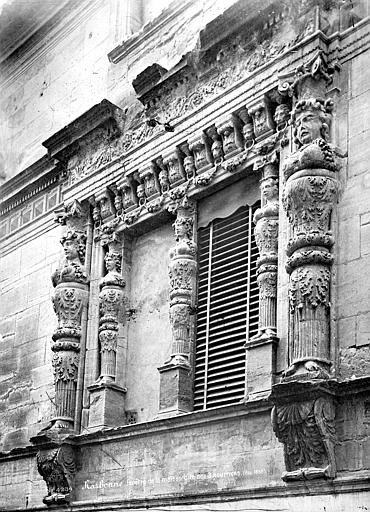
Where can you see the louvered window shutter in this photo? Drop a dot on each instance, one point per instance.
(227, 308)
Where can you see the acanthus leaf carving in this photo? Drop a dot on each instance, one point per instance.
(57, 467)
(307, 430)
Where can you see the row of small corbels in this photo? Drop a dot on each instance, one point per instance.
(236, 133)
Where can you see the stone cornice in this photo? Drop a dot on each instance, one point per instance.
(148, 31)
(37, 177)
(60, 144)
(57, 28)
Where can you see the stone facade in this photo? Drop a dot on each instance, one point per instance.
(255, 104)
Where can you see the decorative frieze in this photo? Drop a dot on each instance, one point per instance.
(70, 301)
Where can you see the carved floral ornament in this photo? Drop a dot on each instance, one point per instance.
(70, 300)
(193, 164)
(304, 412)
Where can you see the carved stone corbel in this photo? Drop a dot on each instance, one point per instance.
(228, 132)
(57, 467)
(262, 120)
(163, 180)
(189, 163)
(198, 146)
(149, 179)
(176, 373)
(129, 201)
(216, 146)
(70, 301)
(247, 129)
(303, 420)
(176, 174)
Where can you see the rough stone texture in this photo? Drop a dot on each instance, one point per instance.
(352, 249)
(149, 335)
(210, 456)
(27, 323)
(233, 454)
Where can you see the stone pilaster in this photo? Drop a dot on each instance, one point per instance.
(176, 373)
(107, 398)
(304, 420)
(261, 348)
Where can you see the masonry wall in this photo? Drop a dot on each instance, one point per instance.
(52, 84)
(353, 247)
(27, 324)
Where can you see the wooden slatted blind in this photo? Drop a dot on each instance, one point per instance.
(227, 308)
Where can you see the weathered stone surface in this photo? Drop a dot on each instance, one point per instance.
(231, 454)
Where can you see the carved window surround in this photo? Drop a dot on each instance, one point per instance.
(244, 92)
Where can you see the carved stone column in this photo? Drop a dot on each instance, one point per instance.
(106, 396)
(261, 348)
(304, 411)
(70, 302)
(55, 459)
(176, 373)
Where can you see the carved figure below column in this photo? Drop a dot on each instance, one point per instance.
(182, 273)
(57, 468)
(70, 299)
(303, 420)
(310, 192)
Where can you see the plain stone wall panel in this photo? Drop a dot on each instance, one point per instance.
(149, 336)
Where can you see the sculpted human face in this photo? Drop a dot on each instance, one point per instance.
(269, 189)
(217, 150)
(281, 116)
(189, 166)
(110, 264)
(308, 126)
(70, 248)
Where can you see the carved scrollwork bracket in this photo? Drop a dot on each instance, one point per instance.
(303, 420)
(57, 467)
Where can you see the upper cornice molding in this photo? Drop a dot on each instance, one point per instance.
(65, 142)
(149, 30)
(42, 41)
